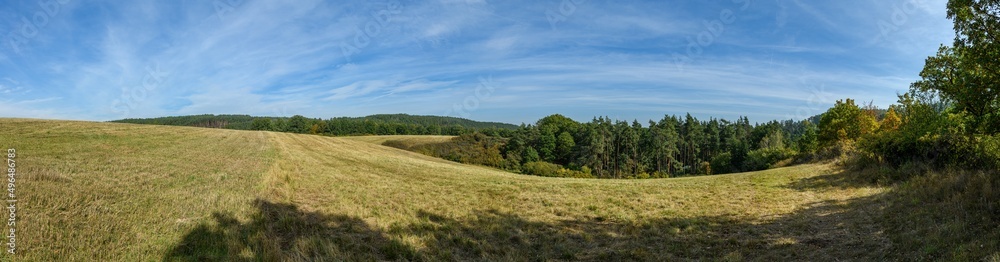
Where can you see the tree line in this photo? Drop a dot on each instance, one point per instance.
(386, 124)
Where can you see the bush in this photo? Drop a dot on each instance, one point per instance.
(986, 154)
(764, 158)
(705, 168)
(840, 150)
(541, 168)
(722, 163)
(930, 138)
(942, 149)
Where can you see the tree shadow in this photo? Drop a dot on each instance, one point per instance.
(826, 231)
(282, 232)
(930, 217)
(923, 214)
(841, 179)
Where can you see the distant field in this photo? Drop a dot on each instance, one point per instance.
(104, 191)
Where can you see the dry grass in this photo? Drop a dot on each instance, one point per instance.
(97, 191)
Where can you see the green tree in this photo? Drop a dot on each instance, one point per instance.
(891, 121)
(775, 139)
(530, 155)
(808, 143)
(845, 121)
(968, 72)
(262, 124)
(692, 133)
(298, 124)
(660, 143)
(281, 125)
(546, 146)
(564, 148)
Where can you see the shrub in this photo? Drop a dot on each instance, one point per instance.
(839, 150)
(764, 158)
(705, 168)
(541, 168)
(987, 152)
(722, 163)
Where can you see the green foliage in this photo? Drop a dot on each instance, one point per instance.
(617, 149)
(968, 72)
(564, 147)
(933, 134)
(263, 124)
(661, 145)
(930, 132)
(809, 140)
(298, 124)
(773, 140)
(541, 168)
(705, 168)
(891, 121)
(765, 158)
(530, 155)
(722, 163)
(547, 146)
(845, 121)
(242, 122)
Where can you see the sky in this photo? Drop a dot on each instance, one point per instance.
(487, 60)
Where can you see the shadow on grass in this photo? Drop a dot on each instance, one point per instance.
(927, 215)
(942, 216)
(842, 179)
(281, 232)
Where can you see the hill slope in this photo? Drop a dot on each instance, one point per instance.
(98, 191)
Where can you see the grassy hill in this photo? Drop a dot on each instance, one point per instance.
(111, 191)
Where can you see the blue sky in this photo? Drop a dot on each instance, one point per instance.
(508, 61)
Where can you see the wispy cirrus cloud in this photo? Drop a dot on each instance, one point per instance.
(283, 58)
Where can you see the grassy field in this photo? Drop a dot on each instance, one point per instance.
(103, 191)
